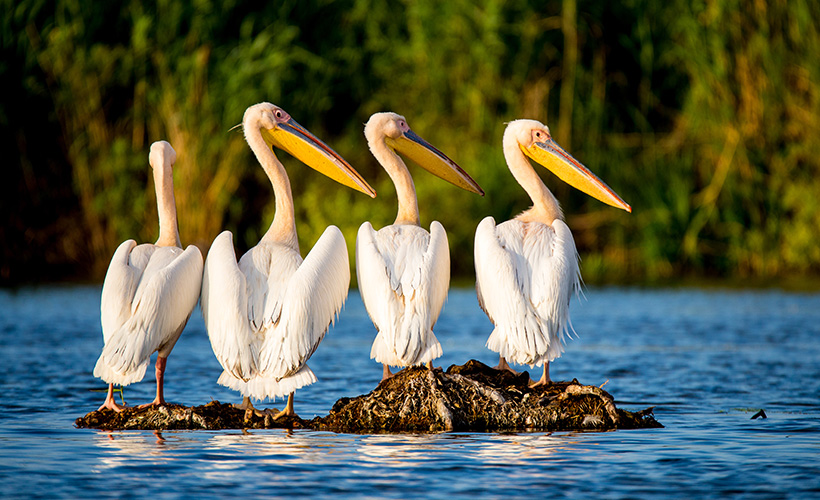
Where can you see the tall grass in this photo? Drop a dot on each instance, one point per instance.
(703, 116)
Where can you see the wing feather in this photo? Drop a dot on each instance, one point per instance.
(438, 257)
(404, 275)
(556, 278)
(172, 297)
(284, 262)
(119, 287)
(376, 285)
(164, 299)
(502, 289)
(525, 276)
(315, 294)
(225, 310)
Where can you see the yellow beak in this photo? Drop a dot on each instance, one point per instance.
(433, 160)
(568, 169)
(306, 147)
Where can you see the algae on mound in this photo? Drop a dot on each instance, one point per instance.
(211, 416)
(475, 397)
(471, 397)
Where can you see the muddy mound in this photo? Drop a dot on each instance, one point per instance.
(475, 397)
(471, 397)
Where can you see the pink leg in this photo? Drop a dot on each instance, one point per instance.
(545, 377)
(247, 405)
(386, 373)
(109, 401)
(160, 372)
(502, 365)
(288, 409)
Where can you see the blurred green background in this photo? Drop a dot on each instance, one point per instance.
(704, 116)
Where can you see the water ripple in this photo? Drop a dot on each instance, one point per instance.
(706, 360)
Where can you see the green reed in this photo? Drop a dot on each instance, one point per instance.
(704, 116)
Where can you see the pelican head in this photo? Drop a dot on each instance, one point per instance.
(535, 141)
(398, 136)
(280, 130)
(161, 152)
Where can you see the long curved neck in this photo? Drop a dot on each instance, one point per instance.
(545, 207)
(283, 228)
(408, 212)
(166, 207)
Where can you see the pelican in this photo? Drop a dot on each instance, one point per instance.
(403, 270)
(527, 267)
(149, 293)
(267, 314)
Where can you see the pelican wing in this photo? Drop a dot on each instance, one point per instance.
(315, 295)
(164, 299)
(119, 287)
(377, 284)
(501, 281)
(282, 263)
(224, 308)
(438, 268)
(404, 274)
(525, 276)
(556, 276)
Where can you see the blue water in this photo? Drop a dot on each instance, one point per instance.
(706, 360)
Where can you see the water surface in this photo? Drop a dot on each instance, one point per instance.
(706, 360)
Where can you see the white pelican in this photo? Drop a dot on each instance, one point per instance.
(527, 268)
(266, 316)
(149, 293)
(403, 270)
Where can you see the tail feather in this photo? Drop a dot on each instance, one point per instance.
(264, 387)
(125, 349)
(428, 349)
(526, 345)
(112, 376)
(432, 349)
(228, 379)
(408, 343)
(261, 388)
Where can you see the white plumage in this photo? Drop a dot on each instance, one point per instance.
(527, 268)
(403, 273)
(529, 272)
(267, 314)
(148, 296)
(403, 270)
(149, 292)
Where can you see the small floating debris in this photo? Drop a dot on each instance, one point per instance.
(760, 414)
(471, 398)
